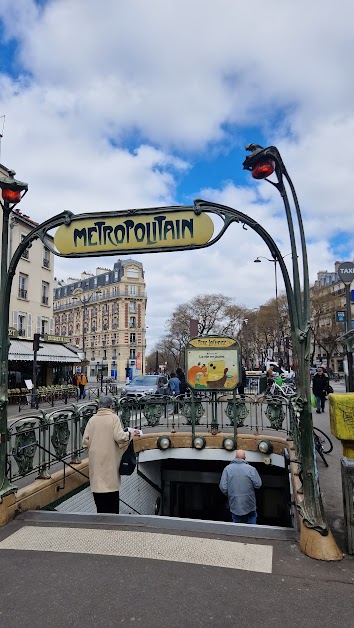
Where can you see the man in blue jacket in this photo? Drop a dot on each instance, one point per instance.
(238, 482)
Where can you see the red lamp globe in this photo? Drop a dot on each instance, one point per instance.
(12, 196)
(263, 169)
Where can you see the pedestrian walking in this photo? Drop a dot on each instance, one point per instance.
(82, 381)
(182, 380)
(320, 388)
(173, 386)
(238, 482)
(243, 382)
(105, 440)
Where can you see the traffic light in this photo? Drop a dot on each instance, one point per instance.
(36, 345)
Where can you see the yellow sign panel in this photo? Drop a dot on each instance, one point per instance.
(169, 229)
(212, 341)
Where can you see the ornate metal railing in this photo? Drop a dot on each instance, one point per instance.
(207, 411)
(36, 442)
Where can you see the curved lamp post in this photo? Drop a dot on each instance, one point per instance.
(263, 162)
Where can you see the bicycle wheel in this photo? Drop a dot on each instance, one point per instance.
(326, 443)
(319, 448)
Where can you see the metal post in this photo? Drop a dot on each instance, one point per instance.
(5, 486)
(347, 468)
(34, 380)
(277, 305)
(348, 328)
(246, 342)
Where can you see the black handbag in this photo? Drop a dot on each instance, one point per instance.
(128, 461)
(330, 389)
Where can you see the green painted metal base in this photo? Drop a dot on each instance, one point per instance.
(6, 489)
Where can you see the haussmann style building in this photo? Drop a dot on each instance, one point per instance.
(103, 314)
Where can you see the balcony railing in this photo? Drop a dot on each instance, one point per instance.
(22, 293)
(45, 262)
(21, 332)
(44, 300)
(25, 254)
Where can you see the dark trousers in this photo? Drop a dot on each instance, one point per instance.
(107, 502)
(82, 388)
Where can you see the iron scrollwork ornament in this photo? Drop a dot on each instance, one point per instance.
(187, 412)
(153, 412)
(61, 434)
(236, 409)
(275, 413)
(25, 447)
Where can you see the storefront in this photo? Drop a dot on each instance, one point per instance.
(55, 363)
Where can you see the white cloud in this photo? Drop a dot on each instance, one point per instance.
(115, 102)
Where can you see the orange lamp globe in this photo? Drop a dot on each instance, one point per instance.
(12, 196)
(263, 169)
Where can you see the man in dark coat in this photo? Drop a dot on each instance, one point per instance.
(182, 381)
(320, 388)
(243, 382)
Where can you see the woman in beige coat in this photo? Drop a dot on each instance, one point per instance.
(105, 441)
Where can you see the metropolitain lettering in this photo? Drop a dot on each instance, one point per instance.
(158, 229)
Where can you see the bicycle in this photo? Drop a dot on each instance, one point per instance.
(323, 444)
(285, 390)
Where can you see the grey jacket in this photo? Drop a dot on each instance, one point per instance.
(238, 481)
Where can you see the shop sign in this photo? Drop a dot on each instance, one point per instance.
(52, 338)
(13, 332)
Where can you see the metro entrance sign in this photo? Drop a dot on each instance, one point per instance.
(346, 272)
(145, 230)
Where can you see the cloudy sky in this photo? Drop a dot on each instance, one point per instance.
(118, 104)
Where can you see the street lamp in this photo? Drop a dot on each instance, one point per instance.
(12, 193)
(76, 295)
(274, 261)
(263, 162)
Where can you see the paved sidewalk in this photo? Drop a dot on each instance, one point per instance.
(109, 575)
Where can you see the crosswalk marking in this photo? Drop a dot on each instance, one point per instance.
(169, 547)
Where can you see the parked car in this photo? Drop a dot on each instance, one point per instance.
(145, 385)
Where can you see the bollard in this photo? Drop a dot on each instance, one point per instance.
(341, 414)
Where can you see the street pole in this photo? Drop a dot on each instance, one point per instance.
(348, 328)
(11, 195)
(277, 306)
(246, 342)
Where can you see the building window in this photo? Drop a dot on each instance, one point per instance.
(132, 339)
(25, 254)
(132, 290)
(107, 278)
(132, 354)
(116, 274)
(132, 306)
(44, 326)
(22, 324)
(46, 257)
(22, 286)
(132, 273)
(45, 293)
(132, 322)
(104, 354)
